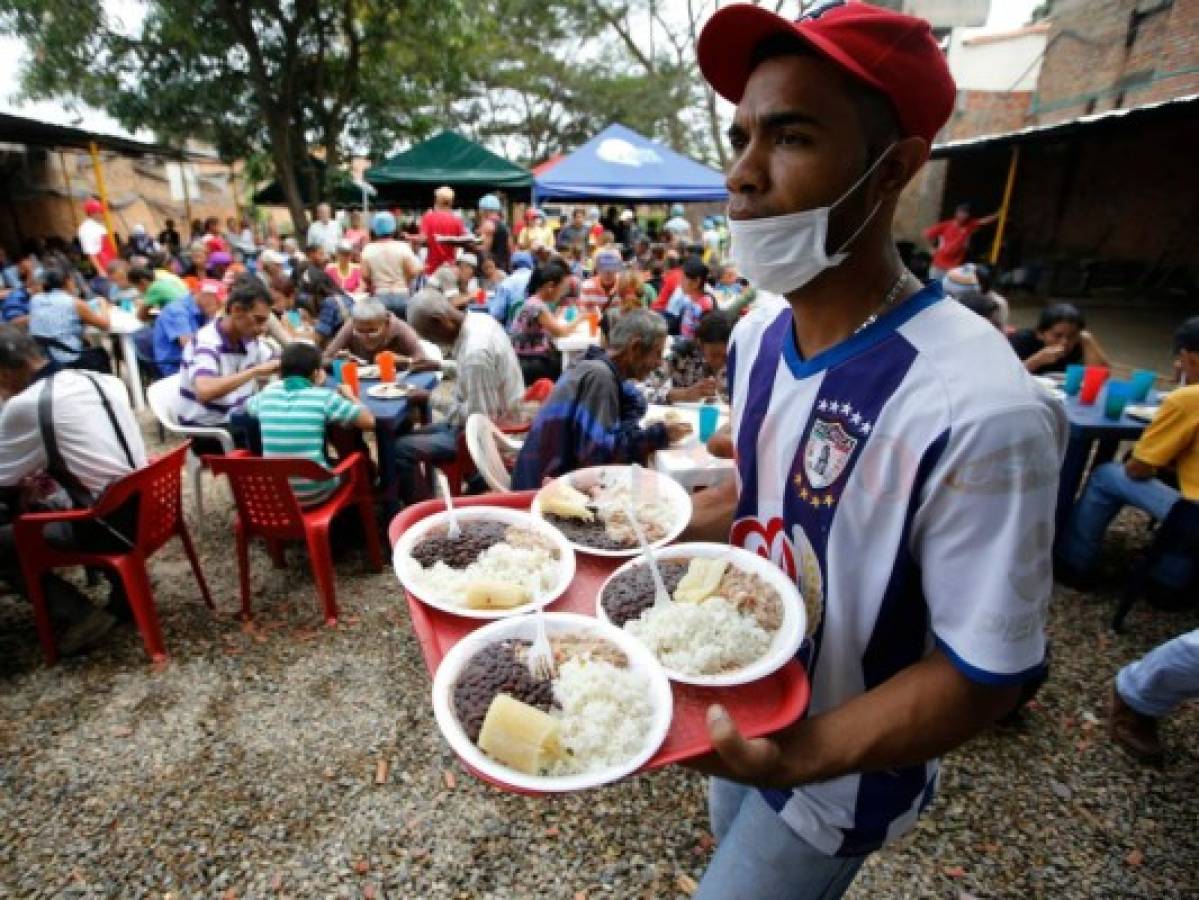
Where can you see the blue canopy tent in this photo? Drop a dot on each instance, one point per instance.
(620, 164)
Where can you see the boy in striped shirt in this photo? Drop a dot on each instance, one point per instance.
(293, 414)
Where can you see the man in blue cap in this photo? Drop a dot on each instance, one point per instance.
(497, 239)
(389, 265)
(677, 228)
(513, 288)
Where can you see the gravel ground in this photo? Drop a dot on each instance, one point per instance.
(287, 759)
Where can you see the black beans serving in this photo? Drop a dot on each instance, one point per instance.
(632, 592)
(587, 534)
(496, 669)
(458, 554)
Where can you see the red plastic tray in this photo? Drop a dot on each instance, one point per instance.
(758, 709)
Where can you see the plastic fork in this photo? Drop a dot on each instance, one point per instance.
(541, 655)
(454, 531)
(661, 596)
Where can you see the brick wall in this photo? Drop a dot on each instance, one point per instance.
(987, 112)
(1089, 65)
(40, 203)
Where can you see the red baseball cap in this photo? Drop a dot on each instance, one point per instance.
(92, 207)
(888, 51)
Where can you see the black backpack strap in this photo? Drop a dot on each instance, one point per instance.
(112, 418)
(56, 467)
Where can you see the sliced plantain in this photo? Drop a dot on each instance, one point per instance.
(520, 736)
(701, 581)
(496, 595)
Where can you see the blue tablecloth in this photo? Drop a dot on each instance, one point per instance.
(390, 416)
(1090, 427)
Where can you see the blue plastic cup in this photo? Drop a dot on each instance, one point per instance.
(1115, 398)
(336, 374)
(709, 419)
(127, 304)
(1073, 383)
(571, 313)
(1142, 383)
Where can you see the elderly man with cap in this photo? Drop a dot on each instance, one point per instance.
(677, 228)
(94, 240)
(440, 222)
(598, 291)
(388, 265)
(489, 381)
(512, 290)
(180, 321)
(493, 230)
(892, 457)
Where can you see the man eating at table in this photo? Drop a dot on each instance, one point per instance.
(294, 413)
(593, 417)
(488, 381)
(893, 457)
(1171, 442)
(372, 329)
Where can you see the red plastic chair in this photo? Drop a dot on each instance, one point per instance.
(538, 391)
(158, 489)
(460, 468)
(267, 507)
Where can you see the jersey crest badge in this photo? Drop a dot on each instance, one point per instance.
(827, 452)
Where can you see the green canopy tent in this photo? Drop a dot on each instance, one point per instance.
(408, 179)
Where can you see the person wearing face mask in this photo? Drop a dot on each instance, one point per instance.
(893, 457)
(1059, 340)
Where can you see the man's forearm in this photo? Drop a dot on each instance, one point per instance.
(214, 387)
(917, 715)
(712, 513)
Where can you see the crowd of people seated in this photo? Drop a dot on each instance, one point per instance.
(250, 327)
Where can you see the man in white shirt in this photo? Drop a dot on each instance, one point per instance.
(389, 265)
(488, 381)
(892, 457)
(94, 241)
(325, 231)
(99, 442)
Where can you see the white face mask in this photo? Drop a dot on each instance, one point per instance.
(781, 254)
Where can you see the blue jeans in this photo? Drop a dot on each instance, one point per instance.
(1110, 490)
(759, 857)
(434, 444)
(396, 303)
(1163, 678)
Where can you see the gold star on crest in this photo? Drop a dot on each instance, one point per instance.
(803, 494)
(798, 480)
(815, 501)
(828, 500)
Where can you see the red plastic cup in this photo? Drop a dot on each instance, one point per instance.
(386, 361)
(349, 377)
(1092, 382)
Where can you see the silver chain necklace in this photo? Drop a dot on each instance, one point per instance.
(886, 304)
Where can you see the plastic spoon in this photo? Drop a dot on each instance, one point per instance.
(661, 597)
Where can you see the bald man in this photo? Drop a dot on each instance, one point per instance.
(440, 222)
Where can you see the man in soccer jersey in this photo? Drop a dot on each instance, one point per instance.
(893, 457)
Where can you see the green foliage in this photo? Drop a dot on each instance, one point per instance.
(273, 80)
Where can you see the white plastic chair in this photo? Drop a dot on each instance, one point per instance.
(486, 444)
(161, 395)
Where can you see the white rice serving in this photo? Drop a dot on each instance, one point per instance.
(605, 715)
(535, 569)
(706, 638)
(654, 511)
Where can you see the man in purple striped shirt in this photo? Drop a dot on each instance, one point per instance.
(221, 367)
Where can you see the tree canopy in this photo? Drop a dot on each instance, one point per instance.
(282, 78)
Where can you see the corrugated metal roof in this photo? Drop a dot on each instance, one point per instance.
(22, 130)
(1178, 107)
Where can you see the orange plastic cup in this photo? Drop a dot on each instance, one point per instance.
(349, 377)
(1092, 380)
(386, 361)
(593, 321)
